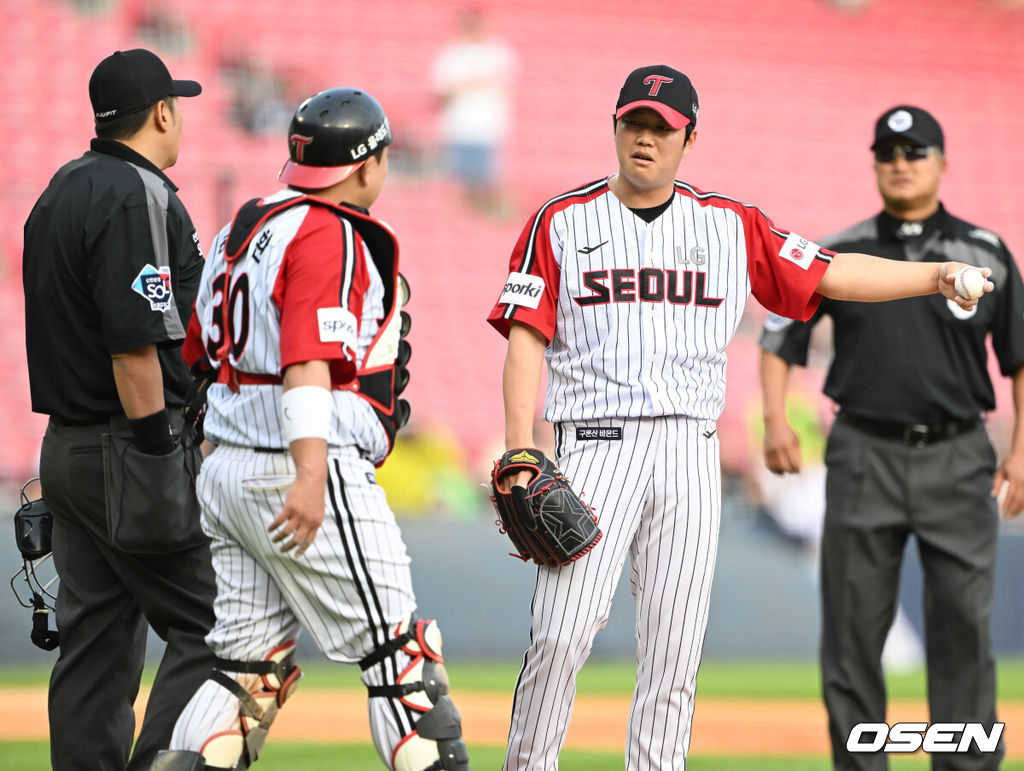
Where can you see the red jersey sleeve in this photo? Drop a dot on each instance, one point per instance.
(784, 268)
(530, 294)
(319, 291)
(192, 349)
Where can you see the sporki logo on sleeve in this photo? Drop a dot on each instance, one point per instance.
(337, 325)
(523, 289)
(154, 284)
(799, 250)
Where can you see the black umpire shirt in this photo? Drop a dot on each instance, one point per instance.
(921, 360)
(111, 263)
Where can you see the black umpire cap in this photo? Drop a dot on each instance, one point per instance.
(129, 81)
(910, 123)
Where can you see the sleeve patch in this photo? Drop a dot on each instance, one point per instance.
(154, 284)
(523, 289)
(799, 251)
(337, 325)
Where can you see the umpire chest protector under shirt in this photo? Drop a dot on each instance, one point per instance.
(111, 264)
(920, 360)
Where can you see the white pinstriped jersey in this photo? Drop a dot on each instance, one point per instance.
(638, 314)
(305, 289)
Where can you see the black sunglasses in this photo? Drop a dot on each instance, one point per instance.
(888, 153)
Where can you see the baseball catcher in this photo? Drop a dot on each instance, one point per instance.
(546, 521)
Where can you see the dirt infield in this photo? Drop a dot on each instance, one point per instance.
(733, 727)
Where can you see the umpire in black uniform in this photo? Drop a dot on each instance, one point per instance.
(908, 453)
(111, 266)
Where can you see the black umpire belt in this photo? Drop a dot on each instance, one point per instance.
(117, 422)
(916, 435)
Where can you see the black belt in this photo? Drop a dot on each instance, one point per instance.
(913, 435)
(118, 422)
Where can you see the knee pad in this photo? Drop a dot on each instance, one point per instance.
(435, 743)
(261, 688)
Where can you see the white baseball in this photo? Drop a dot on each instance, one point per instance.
(969, 283)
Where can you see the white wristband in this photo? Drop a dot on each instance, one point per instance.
(306, 412)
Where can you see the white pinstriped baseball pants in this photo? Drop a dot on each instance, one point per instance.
(657, 495)
(351, 586)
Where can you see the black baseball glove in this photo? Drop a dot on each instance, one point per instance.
(546, 521)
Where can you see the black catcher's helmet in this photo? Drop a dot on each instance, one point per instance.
(331, 134)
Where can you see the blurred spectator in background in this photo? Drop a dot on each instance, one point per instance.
(164, 28)
(472, 77)
(908, 452)
(426, 474)
(261, 102)
(94, 7)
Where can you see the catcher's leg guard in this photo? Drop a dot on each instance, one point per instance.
(435, 743)
(260, 687)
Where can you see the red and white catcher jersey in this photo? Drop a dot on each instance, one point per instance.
(638, 314)
(306, 289)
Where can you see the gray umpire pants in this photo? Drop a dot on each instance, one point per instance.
(106, 597)
(879, 491)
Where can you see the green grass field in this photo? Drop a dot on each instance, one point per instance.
(287, 756)
(719, 680)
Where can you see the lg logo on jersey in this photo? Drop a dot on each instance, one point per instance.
(678, 287)
(799, 250)
(697, 255)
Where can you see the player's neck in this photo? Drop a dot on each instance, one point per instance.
(635, 198)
